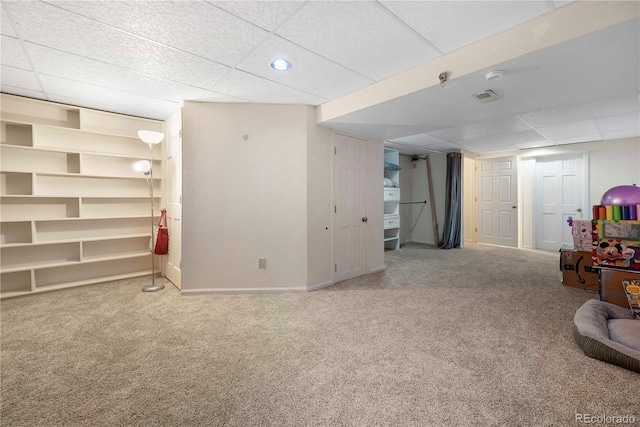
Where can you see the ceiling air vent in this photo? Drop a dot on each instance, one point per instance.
(486, 96)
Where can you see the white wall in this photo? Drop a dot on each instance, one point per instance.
(257, 182)
(619, 165)
(319, 191)
(375, 204)
(610, 163)
(244, 199)
(526, 179)
(468, 197)
(423, 225)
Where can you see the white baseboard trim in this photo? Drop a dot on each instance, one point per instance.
(320, 286)
(205, 291)
(376, 269)
(423, 242)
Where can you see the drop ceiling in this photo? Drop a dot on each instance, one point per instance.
(144, 57)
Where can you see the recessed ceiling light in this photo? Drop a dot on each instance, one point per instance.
(281, 64)
(494, 75)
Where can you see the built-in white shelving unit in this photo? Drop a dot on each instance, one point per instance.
(73, 210)
(391, 200)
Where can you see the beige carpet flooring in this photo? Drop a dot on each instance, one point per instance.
(479, 336)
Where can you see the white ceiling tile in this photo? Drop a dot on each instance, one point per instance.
(445, 147)
(511, 139)
(630, 121)
(5, 25)
(189, 70)
(619, 104)
(422, 139)
(13, 54)
(81, 69)
(536, 144)
(309, 72)
(17, 77)
(410, 149)
(504, 124)
(416, 148)
(457, 133)
(578, 139)
(218, 97)
(359, 35)
(192, 26)
(631, 133)
(124, 102)
(264, 14)
(406, 150)
(450, 25)
(84, 37)
(147, 109)
(559, 114)
(491, 149)
(22, 92)
(566, 130)
(257, 89)
(560, 3)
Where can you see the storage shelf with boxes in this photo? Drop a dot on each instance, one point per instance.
(606, 250)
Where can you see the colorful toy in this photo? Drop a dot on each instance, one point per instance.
(621, 195)
(615, 254)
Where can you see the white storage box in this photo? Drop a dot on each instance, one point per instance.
(391, 221)
(391, 194)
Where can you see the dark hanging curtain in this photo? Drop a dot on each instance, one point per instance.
(453, 223)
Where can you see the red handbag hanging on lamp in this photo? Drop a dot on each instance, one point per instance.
(160, 240)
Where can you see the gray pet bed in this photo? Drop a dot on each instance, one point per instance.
(608, 332)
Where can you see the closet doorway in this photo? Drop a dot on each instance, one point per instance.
(497, 200)
(350, 207)
(559, 194)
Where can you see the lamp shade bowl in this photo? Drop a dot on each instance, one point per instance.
(150, 137)
(143, 166)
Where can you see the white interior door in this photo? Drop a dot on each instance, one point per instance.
(350, 210)
(497, 201)
(173, 191)
(559, 195)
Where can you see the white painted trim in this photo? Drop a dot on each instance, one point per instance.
(535, 199)
(474, 197)
(424, 242)
(320, 286)
(204, 291)
(586, 169)
(525, 201)
(520, 201)
(377, 269)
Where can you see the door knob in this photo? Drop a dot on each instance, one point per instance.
(579, 210)
(514, 206)
(365, 219)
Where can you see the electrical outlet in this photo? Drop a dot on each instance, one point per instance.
(262, 263)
